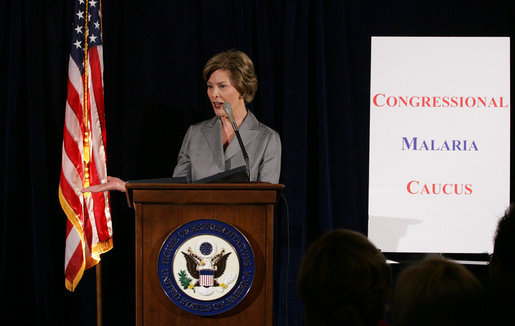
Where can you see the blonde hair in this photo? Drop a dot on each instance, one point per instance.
(240, 68)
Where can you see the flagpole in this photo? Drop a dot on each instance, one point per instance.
(99, 294)
(98, 268)
(87, 133)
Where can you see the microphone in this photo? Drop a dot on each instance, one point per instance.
(228, 109)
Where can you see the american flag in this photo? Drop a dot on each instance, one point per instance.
(88, 228)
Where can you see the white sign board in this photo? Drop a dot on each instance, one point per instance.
(439, 142)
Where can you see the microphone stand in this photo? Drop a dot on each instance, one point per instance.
(228, 109)
(245, 156)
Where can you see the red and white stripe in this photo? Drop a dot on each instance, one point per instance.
(89, 228)
(206, 277)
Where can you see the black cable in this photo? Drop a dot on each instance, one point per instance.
(287, 253)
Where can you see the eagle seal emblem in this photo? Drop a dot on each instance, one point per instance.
(206, 267)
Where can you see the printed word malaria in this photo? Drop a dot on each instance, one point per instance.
(453, 145)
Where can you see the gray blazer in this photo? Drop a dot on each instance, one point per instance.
(202, 153)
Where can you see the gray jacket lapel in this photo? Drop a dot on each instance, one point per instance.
(213, 135)
(248, 132)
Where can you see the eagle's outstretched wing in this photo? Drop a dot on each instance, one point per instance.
(191, 263)
(220, 265)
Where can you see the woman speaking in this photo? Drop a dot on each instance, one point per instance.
(208, 147)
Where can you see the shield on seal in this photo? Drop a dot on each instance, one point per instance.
(207, 277)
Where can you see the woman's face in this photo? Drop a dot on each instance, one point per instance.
(220, 90)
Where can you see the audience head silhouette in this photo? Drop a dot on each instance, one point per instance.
(437, 292)
(502, 264)
(502, 270)
(344, 280)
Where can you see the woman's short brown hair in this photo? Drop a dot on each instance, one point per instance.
(344, 280)
(241, 70)
(437, 292)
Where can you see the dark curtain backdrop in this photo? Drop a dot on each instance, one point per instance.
(313, 65)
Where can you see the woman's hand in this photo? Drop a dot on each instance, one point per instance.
(113, 183)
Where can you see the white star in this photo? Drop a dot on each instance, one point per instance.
(89, 17)
(97, 25)
(92, 39)
(77, 44)
(78, 29)
(80, 14)
(81, 1)
(92, 3)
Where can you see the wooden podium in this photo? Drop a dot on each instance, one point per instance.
(162, 208)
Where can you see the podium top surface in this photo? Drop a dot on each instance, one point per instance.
(206, 186)
(236, 193)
